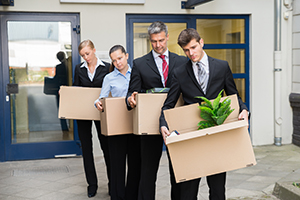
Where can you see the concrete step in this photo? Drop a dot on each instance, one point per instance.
(286, 191)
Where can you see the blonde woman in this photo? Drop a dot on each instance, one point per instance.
(90, 73)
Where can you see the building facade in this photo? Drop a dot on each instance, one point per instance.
(241, 32)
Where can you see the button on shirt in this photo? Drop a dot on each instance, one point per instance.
(159, 63)
(116, 83)
(91, 75)
(204, 62)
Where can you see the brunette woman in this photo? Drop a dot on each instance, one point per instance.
(121, 146)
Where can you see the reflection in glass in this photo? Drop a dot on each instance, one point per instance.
(234, 57)
(241, 87)
(142, 44)
(221, 31)
(34, 58)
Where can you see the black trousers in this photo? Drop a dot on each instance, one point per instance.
(188, 190)
(85, 136)
(120, 147)
(151, 150)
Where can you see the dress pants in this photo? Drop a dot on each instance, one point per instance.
(121, 146)
(85, 136)
(151, 150)
(188, 190)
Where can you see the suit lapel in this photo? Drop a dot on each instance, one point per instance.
(212, 67)
(98, 70)
(84, 72)
(171, 62)
(151, 63)
(192, 75)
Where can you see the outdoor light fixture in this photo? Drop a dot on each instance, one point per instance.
(189, 4)
(6, 2)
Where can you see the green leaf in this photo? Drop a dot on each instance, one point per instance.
(217, 101)
(206, 102)
(205, 124)
(224, 106)
(206, 117)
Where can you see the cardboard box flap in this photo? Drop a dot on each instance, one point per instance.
(229, 150)
(208, 131)
(177, 120)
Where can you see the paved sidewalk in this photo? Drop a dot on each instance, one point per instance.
(64, 178)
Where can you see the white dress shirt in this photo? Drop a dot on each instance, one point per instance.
(159, 62)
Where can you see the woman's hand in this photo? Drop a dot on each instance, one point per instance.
(99, 105)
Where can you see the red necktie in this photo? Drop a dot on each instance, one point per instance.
(165, 68)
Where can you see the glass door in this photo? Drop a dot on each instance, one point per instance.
(38, 53)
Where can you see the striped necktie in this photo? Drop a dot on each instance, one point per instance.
(202, 76)
(165, 69)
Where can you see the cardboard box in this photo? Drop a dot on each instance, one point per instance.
(147, 112)
(198, 153)
(78, 103)
(115, 118)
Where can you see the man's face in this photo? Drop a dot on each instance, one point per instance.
(194, 50)
(159, 42)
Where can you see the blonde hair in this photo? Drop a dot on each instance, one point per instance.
(85, 43)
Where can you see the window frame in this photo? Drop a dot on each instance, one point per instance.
(190, 20)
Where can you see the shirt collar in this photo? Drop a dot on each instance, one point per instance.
(156, 55)
(117, 72)
(99, 62)
(204, 60)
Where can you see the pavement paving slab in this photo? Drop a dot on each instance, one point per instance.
(64, 178)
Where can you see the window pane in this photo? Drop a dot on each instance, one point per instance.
(241, 87)
(39, 51)
(141, 42)
(235, 58)
(221, 31)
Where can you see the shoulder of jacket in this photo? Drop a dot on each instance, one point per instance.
(146, 56)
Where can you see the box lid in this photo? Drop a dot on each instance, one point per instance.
(207, 131)
(184, 119)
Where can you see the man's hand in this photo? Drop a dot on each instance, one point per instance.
(244, 115)
(164, 132)
(99, 105)
(132, 99)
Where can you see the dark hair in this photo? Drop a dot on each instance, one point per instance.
(187, 35)
(113, 49)
(61, 56)
(85, 43)
(157, 27)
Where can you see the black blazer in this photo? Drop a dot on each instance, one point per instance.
(185, 82)
(81, 77)
(145, 75)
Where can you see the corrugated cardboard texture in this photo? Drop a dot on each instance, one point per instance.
(115, 118)
(147, 112)
(78, 103)
(197, 153)
(211, 154)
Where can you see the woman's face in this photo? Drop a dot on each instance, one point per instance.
(119, 59)
(88, 54)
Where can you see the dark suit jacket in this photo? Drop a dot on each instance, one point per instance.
(145, 75)
(81, 77)
(185, 82)
(61, 74)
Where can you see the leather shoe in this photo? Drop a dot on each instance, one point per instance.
(92, 191)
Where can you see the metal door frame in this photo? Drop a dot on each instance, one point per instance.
(23, 151)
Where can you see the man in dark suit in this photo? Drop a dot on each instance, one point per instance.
(61, 78)
(154, 69)
(200, 76)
